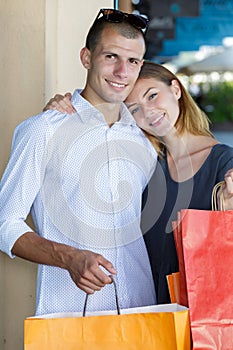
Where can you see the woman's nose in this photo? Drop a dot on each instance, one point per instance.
(149, 112)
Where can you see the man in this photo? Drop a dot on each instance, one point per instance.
(82, 178)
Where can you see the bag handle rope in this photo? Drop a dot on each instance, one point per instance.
(116, 297)
(218, 197)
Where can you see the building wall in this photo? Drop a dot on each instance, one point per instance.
(39, 55)
(22, 62)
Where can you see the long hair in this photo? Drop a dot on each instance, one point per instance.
(191, 118)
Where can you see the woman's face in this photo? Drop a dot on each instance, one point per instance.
(154, 105)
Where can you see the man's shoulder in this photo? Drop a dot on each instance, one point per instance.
(41, 122)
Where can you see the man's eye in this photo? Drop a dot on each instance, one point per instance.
(110, 56)
(133, 60)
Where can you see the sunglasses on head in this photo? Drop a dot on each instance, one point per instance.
(116, 16)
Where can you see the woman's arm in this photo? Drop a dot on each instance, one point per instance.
(61, 103)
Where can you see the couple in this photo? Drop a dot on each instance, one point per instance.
(82, 176)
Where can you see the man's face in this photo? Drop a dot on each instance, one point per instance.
(113, 67)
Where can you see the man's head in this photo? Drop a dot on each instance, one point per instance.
(131, 26)
(113, 57)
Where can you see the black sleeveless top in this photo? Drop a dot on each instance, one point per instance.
(164, 197)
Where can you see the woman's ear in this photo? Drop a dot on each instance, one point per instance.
(176, 88)
(85, 56)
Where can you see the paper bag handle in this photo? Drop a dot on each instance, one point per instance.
(116, 297)
(214, 199)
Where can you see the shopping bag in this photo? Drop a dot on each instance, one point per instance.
(151, 327)
(173, 281)
(183, 296)
(207, 243)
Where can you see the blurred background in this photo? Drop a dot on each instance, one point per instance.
(39, 56)
(194, 39)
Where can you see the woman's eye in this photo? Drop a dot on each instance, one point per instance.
(152, 96)
(135, 110)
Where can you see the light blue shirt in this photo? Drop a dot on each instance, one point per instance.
(83, 182)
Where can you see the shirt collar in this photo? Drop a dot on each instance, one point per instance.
(86, 110)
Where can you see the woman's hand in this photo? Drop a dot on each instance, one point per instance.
(228, 190)
(61, 103)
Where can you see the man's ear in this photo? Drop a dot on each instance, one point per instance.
(85, 56)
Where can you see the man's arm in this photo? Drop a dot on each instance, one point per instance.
(82, 265)
(20, 185)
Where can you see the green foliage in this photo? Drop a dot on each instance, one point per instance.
(218, 102)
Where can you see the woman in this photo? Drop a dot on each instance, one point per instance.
(190, 162)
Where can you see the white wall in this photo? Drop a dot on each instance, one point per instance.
(39, 55)
(67, 24)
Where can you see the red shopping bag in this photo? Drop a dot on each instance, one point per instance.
(206, 240)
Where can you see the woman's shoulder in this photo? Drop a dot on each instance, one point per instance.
(222, 149)
(221, 157)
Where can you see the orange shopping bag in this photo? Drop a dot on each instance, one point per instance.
(173, 281)
(163, 327)
(207, 238)
(183, 297)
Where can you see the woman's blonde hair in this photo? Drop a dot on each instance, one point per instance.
(191, 118)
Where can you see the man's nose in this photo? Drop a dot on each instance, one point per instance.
(121, 69)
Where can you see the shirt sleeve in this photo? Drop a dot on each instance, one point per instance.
(224, 156)
(21, 180)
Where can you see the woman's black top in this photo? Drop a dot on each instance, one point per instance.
(164, 197)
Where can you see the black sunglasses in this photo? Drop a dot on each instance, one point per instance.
(116, 16)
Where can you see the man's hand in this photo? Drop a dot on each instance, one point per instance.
(83, 266)
(84, 269)
(61, 103)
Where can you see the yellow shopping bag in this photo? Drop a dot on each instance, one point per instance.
(150, 327)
